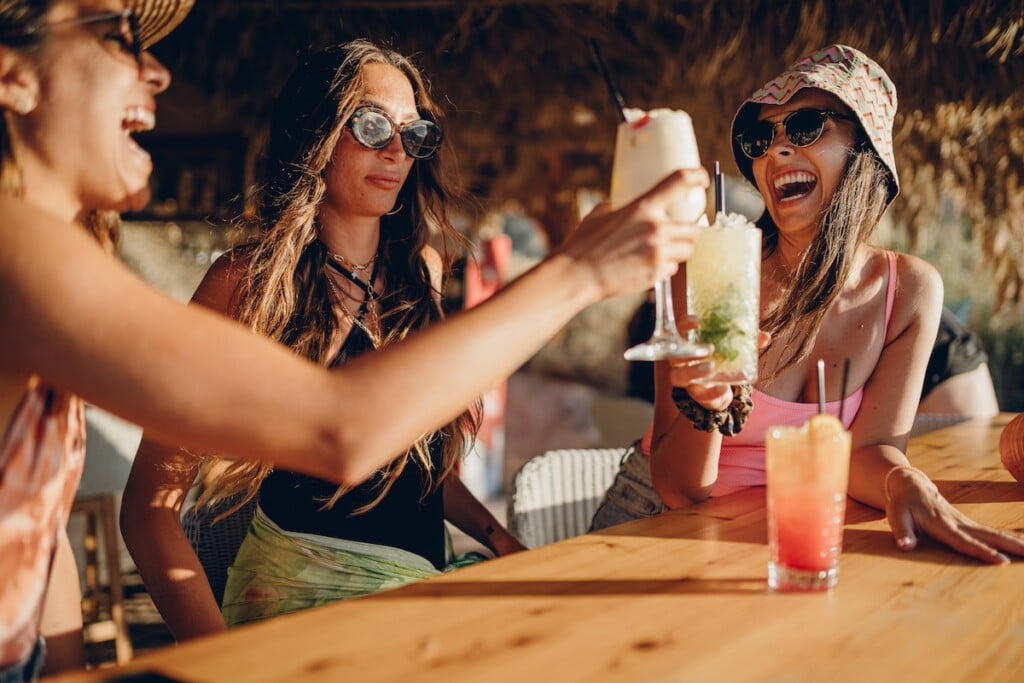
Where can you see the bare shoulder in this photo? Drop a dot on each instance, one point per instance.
(220, 286)
(918, 297)
(434, 264)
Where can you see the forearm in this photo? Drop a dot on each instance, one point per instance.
(684, 460)
(194, 379)
(869, 466)
(465, 355)
(172, 574)
(684, 463)
(468, 514)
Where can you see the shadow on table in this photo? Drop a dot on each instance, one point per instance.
(578, 587)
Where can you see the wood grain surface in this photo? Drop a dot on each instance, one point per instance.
(679, 597)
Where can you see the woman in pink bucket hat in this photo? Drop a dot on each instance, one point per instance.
(816, 141)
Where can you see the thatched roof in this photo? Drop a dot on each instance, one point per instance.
(531, 120)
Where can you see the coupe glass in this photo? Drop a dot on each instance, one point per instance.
(648, 147)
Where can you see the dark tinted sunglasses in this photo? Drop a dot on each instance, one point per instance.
(803, 127)
(373, 128)
(127, 37)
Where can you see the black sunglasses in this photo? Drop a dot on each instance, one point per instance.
(127, 38)
(372, 127)
(803, 127)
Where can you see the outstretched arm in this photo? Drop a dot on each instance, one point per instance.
(189, 377)
(880, 474)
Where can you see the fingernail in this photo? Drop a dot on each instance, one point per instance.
(905, 542)
(1003, 559)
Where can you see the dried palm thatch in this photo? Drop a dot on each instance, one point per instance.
(531, 120)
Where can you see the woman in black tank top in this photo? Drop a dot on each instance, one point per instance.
(341, 266)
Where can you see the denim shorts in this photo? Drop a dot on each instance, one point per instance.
(27, 670)
(631, 495)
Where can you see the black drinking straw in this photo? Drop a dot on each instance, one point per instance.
(620, 106)
(821, 387)
(842, 396)
(719, 189)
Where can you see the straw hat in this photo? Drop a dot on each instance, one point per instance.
(857, 80)
(157, 18)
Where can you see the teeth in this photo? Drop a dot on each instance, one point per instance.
(138, 119)
(793, 177)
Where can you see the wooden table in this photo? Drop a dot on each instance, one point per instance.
(677, 597)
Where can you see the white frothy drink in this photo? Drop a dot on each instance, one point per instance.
(648, 147)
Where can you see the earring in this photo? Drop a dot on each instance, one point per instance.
(395, 210)
(24, 105)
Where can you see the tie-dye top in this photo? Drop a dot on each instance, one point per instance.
(41, 458)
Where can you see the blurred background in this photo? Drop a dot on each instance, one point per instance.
(533, 129)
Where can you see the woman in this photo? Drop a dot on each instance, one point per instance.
(817, 143)
(75, 83)
(361, 277)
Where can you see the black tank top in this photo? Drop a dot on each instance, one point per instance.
(403, 519)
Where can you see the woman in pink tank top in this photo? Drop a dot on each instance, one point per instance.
(817, 143)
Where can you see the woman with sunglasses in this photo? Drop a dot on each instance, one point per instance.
(75, 84)
(817, 143)
(356, 184)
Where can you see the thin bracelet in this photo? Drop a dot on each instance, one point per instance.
(894, 470)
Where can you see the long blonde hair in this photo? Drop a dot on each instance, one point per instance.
(284, 294)
(856, 208)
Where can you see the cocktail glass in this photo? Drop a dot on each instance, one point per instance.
(723, 289)
(808, 470)
(648, 147)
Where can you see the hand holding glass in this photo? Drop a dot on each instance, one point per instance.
(648, 147)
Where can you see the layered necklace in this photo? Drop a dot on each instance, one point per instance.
(347, 269)
(351, 265)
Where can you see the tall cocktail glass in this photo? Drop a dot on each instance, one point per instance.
(808, 470)
(648, 147)
(723, 288)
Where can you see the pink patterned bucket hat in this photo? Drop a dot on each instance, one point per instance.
(857, 80)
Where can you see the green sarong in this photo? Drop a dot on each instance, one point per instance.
(278, 572)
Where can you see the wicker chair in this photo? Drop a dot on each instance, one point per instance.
(216, 543)
(554, 495)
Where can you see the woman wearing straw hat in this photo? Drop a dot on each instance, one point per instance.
(817, 143)
(75, 83)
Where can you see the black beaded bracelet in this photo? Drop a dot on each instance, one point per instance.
(729, 421)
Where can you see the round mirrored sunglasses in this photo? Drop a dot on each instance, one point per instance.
(373, 128)
(803, 127)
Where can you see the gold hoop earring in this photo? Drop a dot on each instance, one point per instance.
(395, 210)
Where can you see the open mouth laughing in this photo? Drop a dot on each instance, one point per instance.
(793, 186)
(137, 119)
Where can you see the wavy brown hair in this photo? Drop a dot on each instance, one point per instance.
(22, 28)
(284, 294)
(856, 208)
